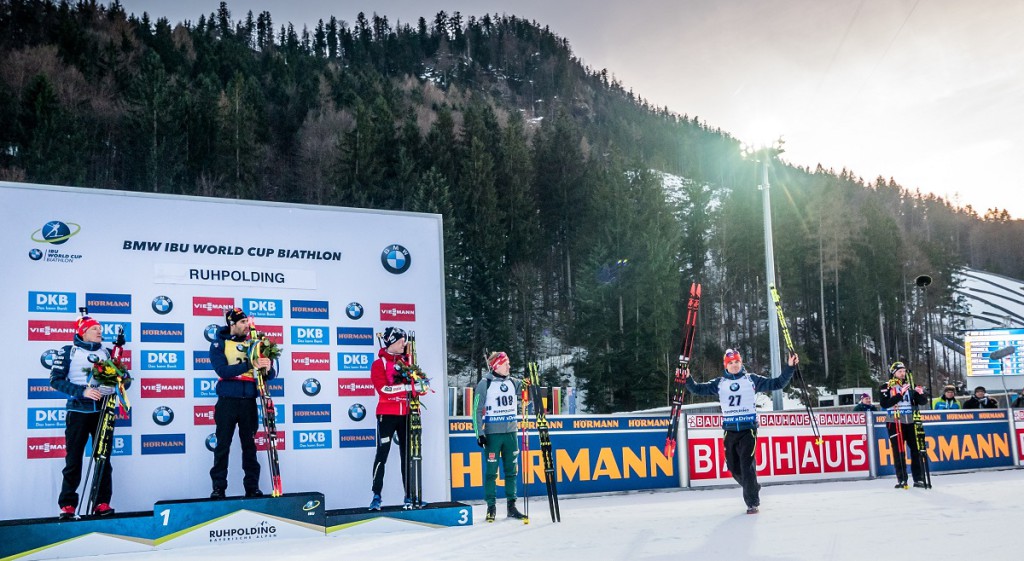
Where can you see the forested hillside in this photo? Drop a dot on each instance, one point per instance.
(548, 174)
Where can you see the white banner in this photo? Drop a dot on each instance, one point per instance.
(320, 281)
(786, 449)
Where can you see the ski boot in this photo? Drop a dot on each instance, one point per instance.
(67, 513)
(491, 512)
(513, 512)
(375, 503)
(408, 505)
(752, 510)
(901, 485)
(103, 509)
(920, 485)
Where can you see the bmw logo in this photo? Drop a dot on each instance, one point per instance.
(211, 332)
(47, 358)
(211, 442)
(162, 305)
(55, 232)
(354, 310)
(35, 254)
(503, 387)
(241, 347)
(311, 387)
(357, 412)
(93, 359)
(396, 259)
(734, 386)
(163, 415)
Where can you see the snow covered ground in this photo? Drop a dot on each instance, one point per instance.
(963, 515)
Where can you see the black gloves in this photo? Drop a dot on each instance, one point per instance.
(481, 440)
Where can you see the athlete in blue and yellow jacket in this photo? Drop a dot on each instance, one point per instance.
(236, 403)
(736, 390)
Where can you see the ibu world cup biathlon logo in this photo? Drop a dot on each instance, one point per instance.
(396, 259)
(162, 305)
(55, 232)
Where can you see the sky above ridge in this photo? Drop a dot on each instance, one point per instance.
(923, 92)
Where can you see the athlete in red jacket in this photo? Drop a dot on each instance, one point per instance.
(392, 409)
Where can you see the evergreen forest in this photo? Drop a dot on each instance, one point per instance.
(576, 214)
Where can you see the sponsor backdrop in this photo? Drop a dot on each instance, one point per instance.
(320, 281)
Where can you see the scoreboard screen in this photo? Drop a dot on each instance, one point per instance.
(979, 346)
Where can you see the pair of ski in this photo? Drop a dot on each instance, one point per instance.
(415, 379)
(103, 438)
(919, 437)
(258, 344)
(531, 392)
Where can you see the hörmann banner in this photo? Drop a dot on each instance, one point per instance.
(592, 454)
(164, 269)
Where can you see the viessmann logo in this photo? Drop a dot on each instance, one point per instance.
(203, 415)
(210, 306)
(397, 312)
(162, 387)
(49, 330)
(355, 387)
(273, 332)
(311, 361)
(262, 442)
(45, 447)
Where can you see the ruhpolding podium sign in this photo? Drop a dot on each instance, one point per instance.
(321, 281)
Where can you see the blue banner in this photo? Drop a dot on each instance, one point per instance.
(591, 455)
(956, 440)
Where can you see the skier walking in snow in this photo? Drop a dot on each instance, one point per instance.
(736, 390)
(495, 422)
(896, 396)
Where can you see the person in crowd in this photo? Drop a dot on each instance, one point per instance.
(393, 389)
(898, 399)
(947, 400)
(865, 403)
(70, 375)
(236, 402)
(1019, 402)
(495, 421)
(981, 400)
(736, 390)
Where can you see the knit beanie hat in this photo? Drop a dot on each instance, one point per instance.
(731, 355)
(496, 360)
(84, 323)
